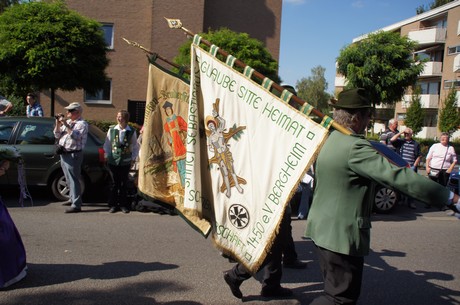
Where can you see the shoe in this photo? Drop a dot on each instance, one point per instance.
(112, 210)
(72, 210)
(277, 292)
(297, 264)
(228, 257)
(301, 217)
(234, 285)
(124, 210)
(67, 203)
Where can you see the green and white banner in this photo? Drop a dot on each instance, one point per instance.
(247, 150)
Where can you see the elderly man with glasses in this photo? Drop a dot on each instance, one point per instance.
(71, 135)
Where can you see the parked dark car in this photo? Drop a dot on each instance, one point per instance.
(386, 198)
(454, 181)
(34, 139)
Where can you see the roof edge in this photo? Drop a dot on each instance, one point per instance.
(425, 15)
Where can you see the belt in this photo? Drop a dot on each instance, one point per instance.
(71, 151)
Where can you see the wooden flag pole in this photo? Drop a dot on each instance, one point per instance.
(177, 24)
(135, 44)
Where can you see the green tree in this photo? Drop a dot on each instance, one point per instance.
(312, 89)
(415, 114)
(383, 64)
(249, 50)
(449, 118)
(47, 46)
(422, 9)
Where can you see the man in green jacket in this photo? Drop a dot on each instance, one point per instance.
(347, 170)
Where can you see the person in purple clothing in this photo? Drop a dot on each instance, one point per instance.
(13, 265)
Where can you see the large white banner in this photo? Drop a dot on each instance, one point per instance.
(246, 152)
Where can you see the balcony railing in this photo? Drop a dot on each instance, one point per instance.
(427, 133)
(432, 68)
(340, 81)
(428, 36)
(456, 63)
(426, 100)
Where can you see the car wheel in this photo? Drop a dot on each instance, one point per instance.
(60, 189)
(385, 200)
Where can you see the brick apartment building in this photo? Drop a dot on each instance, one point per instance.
(437, 33)
(143, 21)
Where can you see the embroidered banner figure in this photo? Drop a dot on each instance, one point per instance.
(246, 151)
(163, 152)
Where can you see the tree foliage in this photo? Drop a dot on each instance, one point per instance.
(313, 89)
(422, 9)
(415, 114)
(449, 118)
(47, 46)
(383, 64)
(249, 50)
(6, 3)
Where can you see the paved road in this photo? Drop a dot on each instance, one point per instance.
(145, 258)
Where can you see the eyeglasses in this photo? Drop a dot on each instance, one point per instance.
(71, 110)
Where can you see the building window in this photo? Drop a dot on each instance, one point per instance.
(429, 88)
(108, 34)
(431, 118)
(136, 110)
(451, 83)
(453, 50)
(441, 24)
(102, 96)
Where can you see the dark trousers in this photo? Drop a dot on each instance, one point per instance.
(118, 195)
(289, 252)
(272, 263)
(442, 178)
(342, 277)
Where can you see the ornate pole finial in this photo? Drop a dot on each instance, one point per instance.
(177, 24)
(174, 23)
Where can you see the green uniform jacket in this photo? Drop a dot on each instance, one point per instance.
(347, 170)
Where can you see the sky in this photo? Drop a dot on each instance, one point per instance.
(314, 31)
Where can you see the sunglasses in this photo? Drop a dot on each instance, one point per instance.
(71, 110)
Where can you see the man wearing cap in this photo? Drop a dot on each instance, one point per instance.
(347, 169)
(71, 134)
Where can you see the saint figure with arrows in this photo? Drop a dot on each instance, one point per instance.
(217, 139)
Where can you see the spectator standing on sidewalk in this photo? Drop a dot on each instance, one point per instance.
(5, 105)
(71, 135)
(391, 130)
(121, 149)
(409, 150)
(441, 160)
(33, 107)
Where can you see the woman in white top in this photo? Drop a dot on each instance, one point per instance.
(441, 160)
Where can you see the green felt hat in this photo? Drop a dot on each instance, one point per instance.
(352, 99)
